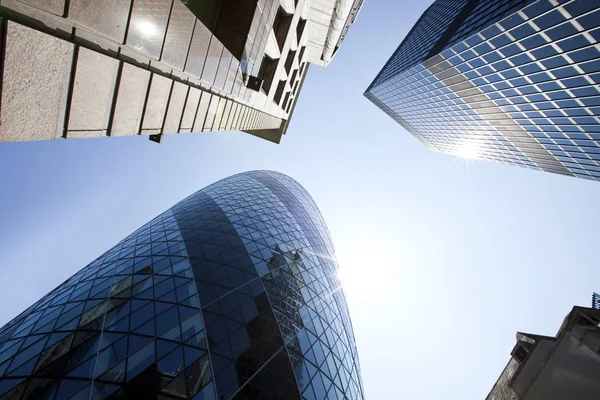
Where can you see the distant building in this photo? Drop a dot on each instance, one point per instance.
(232, 293)
(513, 81)
(596, 301)
(564, 367)
(82, 69)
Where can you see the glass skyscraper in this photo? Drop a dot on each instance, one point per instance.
(230, 294)
(514, 81)
(596, 301)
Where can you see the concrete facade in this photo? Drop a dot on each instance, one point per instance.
(81, 69)
(563, 367)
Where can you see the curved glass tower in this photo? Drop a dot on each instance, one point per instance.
(231, 294)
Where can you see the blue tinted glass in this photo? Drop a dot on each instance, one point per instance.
(579, 7)
(500, 40)
(500, 65)
(529, 69)
(483, 48)
(544, 52)
(565, 72)
(592, 66)
(140, 360)
(553, 18)
(554, 62)
(574, 82)
(585, 54)
(583, 92)
(537, 8)
(533, 42)
(520, 59)
(591, 20)
(540, 77)
(522, 31)
(561, 31)
(574, 43)
(511, 21)
(491, 31)
(491, 57)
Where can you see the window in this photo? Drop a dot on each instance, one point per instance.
(229, 20)
(279, 92)
(562, 31)
(300, 28)
(281, 26)
(551, 19)
(500, 40)
(522, 31)
(544, 52)
(289, 61)
(573, 43)
(267, 72)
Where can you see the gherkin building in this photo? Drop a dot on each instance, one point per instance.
(232, 293)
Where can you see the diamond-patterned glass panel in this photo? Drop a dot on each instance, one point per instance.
(230, 294)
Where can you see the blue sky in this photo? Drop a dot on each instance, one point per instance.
(443, 260)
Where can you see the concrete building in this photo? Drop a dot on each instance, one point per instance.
(512, 81)
(82, 69)
(563, 367)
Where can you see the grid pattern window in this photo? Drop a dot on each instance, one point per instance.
(443, 24)
(127, 324)
(232, 293)
(483, 14)
(596, 301)
(444, 120)
(534, 77)
(421, 39)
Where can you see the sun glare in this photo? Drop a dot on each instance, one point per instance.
(364, 269)
(469, 150)
(146, 28)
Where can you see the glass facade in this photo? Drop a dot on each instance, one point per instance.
(231, 294)
(516, 82)
(596, 301)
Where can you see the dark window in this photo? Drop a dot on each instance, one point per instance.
(534, 41)
(585, 54)
(553, 18)
(554, 62)
(300, 28)
(289, 61)
(500, 40)
(522, 31)
(229, 20)
(281, 26)
(537, 8)
(544, 52)
(491, 57)
(279, 92)
(267, 72)
(574, 43)
(561, 31)
(591, 20)
(579, 7)
(565, 72)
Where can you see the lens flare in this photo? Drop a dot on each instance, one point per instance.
(469, 150)
(146, 28)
